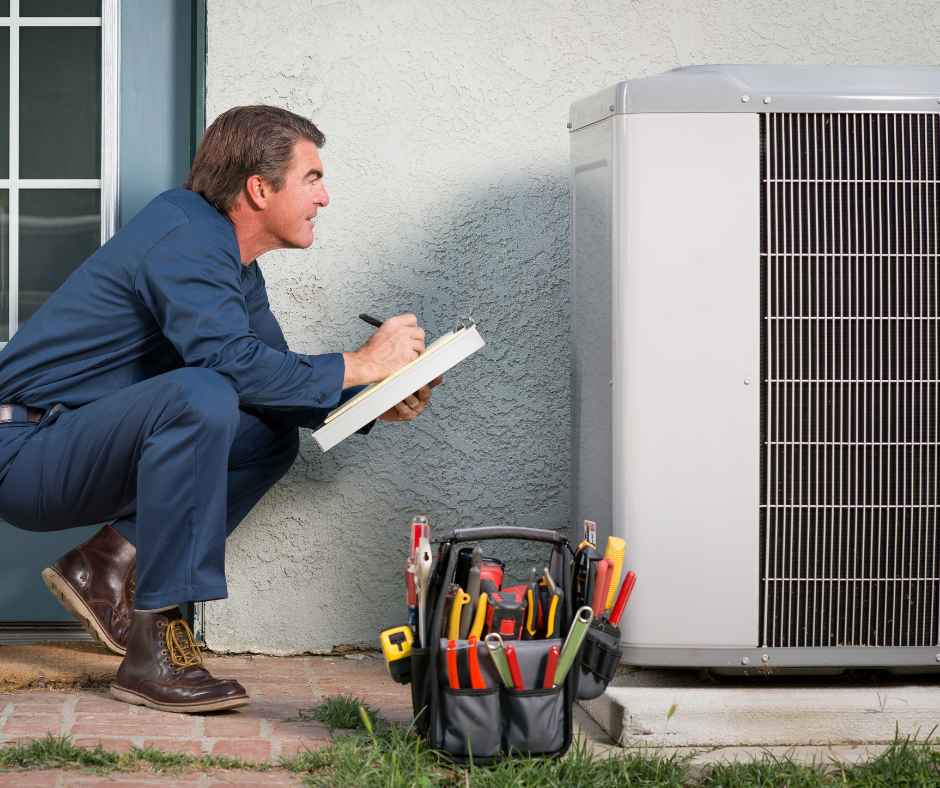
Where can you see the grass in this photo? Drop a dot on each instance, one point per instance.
(340, 712)
(373, 753)
(58, 752)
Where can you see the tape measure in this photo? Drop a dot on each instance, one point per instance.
(396, 646)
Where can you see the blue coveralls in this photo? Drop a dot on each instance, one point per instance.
(172, 399)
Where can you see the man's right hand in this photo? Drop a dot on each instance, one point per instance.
(398, 341)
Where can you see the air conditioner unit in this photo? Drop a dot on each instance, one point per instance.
(756, 317)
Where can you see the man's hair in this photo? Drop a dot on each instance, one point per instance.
(244, 141)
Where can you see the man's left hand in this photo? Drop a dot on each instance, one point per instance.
(410, 407)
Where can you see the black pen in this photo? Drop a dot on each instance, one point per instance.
(372, 321)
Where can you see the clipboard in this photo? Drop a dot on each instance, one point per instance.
(441, 355)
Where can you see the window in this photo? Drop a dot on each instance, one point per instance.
(58, 165)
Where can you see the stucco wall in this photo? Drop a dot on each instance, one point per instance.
(446, 161)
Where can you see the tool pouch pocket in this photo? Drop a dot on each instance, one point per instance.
(533, 721)
(419, 694)
(600, 656)
(470, 722)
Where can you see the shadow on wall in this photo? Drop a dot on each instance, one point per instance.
(492, 449)
(496, 444)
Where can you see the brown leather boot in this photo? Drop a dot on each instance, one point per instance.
(95, 583)
(163, 669)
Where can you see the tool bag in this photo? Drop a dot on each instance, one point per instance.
(483, 725)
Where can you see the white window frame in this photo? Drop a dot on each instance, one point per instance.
(107, 184)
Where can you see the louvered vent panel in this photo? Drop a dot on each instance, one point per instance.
(850, 455)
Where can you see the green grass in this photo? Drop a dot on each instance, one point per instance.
(340, 712)
(58, 752)
(376, 754)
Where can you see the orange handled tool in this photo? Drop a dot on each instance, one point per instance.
(601, 581)
(625, 590)
(452, 675)
(473, 661)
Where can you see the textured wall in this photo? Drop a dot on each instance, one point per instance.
(446, 160)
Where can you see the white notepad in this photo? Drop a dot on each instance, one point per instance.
(445, 352)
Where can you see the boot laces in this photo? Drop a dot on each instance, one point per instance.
(180, 644)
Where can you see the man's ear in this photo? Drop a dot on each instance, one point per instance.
(257, 191)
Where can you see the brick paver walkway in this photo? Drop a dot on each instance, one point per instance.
(265, 730)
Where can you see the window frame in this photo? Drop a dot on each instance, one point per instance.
(107, 184)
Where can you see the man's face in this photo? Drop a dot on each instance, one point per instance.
(291, 212)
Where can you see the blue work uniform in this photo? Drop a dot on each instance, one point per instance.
(172, 400)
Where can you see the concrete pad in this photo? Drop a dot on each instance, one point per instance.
(763, 716)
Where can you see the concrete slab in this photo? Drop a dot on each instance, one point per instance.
(709, 717)
(822, 719)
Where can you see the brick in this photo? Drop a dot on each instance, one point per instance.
(171, 725)
(38, 779)
(220, 779)
(131, 780)
(32, 725)
(109, 743)
(300, 729)
(293, 747)
(246, 749)
(95, 704)
(186, 746)
(232, 726)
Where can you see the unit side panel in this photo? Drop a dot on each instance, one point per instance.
(591, 292)
(686, 400)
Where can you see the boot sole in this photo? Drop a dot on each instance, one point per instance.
(129, 696)
(62, 590)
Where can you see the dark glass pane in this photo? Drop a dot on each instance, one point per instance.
(60, 102)
(4, 7)
(59, 228)
(4, 265)
(59, 7)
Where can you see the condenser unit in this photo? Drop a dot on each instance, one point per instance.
(756, 308)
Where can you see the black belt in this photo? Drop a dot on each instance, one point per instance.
(20, 413)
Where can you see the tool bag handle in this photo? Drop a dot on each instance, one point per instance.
(505, 532)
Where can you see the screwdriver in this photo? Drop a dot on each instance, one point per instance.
(622, 598)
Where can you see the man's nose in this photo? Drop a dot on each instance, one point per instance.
(323, 199)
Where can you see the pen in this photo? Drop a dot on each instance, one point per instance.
(372, 321)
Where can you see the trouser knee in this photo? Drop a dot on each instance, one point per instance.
(205, 395)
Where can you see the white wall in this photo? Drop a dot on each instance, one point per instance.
(446, 160)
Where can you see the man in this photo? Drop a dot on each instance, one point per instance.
(155, 390)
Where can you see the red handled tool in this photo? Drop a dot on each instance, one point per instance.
(473, 661)
(452, 676)
(514, 671)
(601, 583)
(551, 663)
(622, 598)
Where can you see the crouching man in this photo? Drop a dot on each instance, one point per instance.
(154, 391)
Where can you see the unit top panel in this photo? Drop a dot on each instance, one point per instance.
(767, 88)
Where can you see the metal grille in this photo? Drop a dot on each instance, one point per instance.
(850, 455)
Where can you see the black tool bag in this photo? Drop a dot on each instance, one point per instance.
(600, 657)
(486, 724)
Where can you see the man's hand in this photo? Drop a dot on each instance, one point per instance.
(410, 407)
(398, 341)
